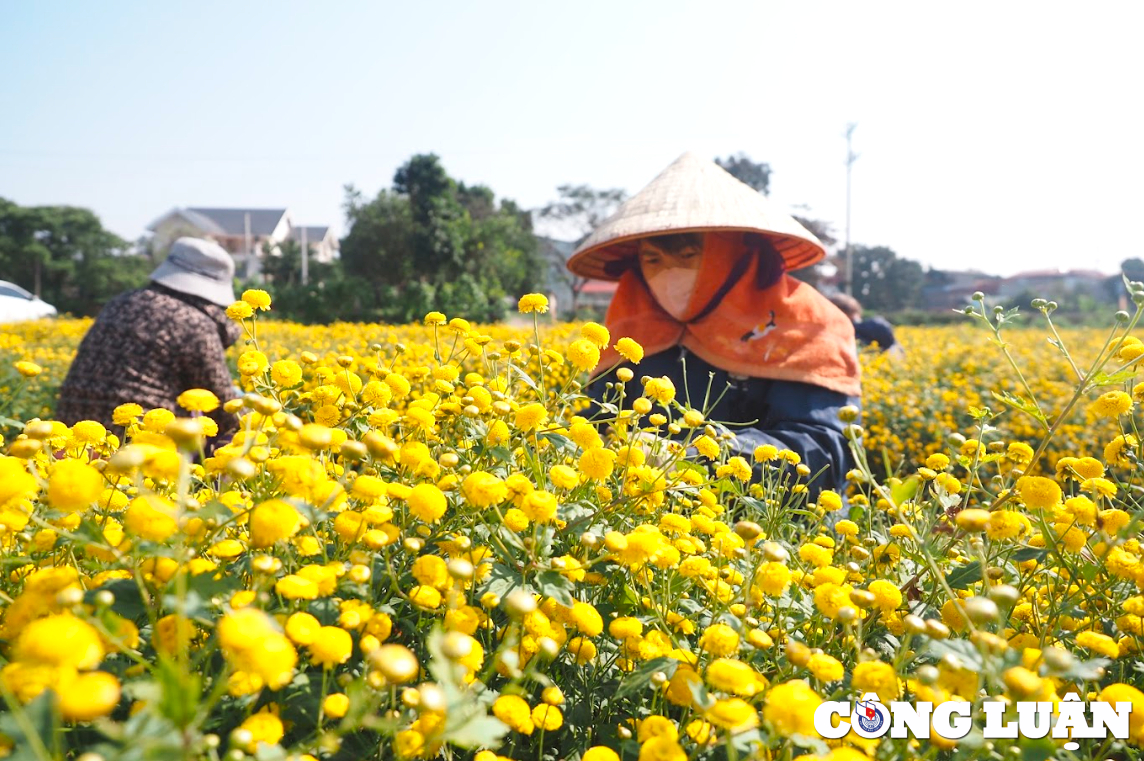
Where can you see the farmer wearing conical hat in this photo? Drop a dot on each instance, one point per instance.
(702, 262)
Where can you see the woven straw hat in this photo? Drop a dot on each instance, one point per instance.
(692, 195)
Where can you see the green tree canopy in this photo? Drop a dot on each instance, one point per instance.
(757, 174)
(431, 243)
(65, 256)
(885, 282)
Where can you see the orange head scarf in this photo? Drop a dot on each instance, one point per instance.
(745, 316)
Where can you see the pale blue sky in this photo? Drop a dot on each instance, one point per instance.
(1005, 136)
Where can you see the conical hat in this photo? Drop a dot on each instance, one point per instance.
(693, 195)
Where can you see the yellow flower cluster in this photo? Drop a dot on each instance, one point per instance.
(418, 545)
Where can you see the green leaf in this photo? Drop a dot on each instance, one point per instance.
(964, 650)
(502, 580)
(641, 677)
(180, 692)
(905, 490)
(1114, 379)
(1037, 750)
(963, 575)
(528, 381)
(746, 742)
(556, 586)
(477, 732)
(1030, 553)
(699, 695)
(561, 442)
(128, 601)
(1087, 671)
(266, 752)
(37, 716)
(201, 590)
(1021, 405)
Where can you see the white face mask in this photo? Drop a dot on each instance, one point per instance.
(672, 288)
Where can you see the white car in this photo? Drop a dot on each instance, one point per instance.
(17, 305)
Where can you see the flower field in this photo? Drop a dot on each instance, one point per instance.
(416, 547)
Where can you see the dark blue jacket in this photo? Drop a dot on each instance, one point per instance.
(787, 414)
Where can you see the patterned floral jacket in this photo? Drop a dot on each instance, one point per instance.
(148, 346)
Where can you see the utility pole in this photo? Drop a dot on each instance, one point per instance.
(305, 258)
(850, 157)
(249, 244)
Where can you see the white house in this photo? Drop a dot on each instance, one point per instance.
(320, 239)
(244, 233)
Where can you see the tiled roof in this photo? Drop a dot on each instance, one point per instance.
(233, 221)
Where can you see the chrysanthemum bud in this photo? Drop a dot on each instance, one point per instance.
(748, 530)
(314, 436)
(518, 602)
(981, 610)
(456, 645)
(354, 451)
(914, 624)
(928, 675)
(937, 629)
(241, 738)
(775, 552)
(186, 432)
(549, 647)
(267, 406)
(380, 446)
(395, 662)
(848, 414)
(1057, 658)
(241, 468)
(459, 568)
(25, 448)
(432, 698)
(69, 596)
(39, 429)
(1004, 594)
(972, 520)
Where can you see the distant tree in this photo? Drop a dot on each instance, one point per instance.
(757, 174)
(579, 209)
(1133, 269)
(64, 255)
(885, 282)
(283, 268)
(431, 243)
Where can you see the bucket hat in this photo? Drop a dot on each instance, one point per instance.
(200, 268)
(692, 195)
